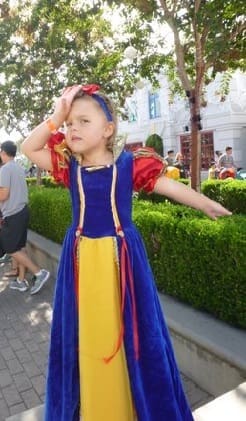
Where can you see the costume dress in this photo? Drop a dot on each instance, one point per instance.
(111, 358)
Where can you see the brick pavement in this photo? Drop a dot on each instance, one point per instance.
(24, 340)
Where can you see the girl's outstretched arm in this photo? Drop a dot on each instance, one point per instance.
(187, 196)
(34, 145)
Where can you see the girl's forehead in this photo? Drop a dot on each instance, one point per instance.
(84, 104)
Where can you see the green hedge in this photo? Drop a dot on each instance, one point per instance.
(197, 260)
(155, 141)
(50, 212)
(230, 193)
(46, 181)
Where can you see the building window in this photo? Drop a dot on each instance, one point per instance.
(154, 106)
(207, 149)
(131, 110)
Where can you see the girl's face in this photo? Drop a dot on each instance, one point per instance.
(87, 127)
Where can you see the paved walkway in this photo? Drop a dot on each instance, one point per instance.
(24, 340)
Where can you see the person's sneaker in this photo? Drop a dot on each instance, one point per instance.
(5, 258)
(20, 285)
(39, 281)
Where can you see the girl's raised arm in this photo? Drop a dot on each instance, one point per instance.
(34, 145)
(187, 196)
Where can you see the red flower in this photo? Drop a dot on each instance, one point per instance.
(90, 89)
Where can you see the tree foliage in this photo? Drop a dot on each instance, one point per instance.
(47, 45)
(207, 35)
(155, 141)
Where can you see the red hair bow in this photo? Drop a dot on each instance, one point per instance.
(90, 89)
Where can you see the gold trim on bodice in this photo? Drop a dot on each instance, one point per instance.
(118, 228)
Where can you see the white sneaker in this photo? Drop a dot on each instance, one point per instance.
(22, 286)
(39, 281)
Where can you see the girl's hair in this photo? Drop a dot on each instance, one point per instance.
(112, 139)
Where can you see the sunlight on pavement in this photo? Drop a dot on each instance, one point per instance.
(42, 313)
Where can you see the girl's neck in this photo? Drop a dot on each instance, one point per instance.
(100, 158)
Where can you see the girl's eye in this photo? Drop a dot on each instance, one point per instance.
(68, 124)
(84, 120)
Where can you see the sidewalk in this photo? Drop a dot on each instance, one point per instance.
(24, 340)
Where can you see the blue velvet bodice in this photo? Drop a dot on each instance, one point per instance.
(98, 220)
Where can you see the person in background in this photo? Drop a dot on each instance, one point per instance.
(179, 163)
(15, 217)
(170, 157)
(32, 171)
(111, 355)
(217, 156)
(226, 165)
(226, 159)
(212, 171)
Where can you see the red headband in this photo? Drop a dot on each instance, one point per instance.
(91, 90)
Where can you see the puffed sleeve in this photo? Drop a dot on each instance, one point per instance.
(148, 166)
(60, 157)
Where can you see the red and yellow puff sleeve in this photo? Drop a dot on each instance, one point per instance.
(60, 157)
(148, 166)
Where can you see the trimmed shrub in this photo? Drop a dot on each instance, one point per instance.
(230, 193)
(50, 212)
(195, 259)
(47, 181)
(155, 141)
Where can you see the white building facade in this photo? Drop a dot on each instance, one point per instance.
(223, 119)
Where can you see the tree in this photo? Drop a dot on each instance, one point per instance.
(155, 141)
(208, 35)
(47, 44)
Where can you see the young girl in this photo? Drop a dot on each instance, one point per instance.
(111, 358)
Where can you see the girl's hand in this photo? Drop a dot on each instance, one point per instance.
(214, 209)
(63, 104)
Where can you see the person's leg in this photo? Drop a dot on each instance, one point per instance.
(14, 271)
(40, 276)
(20, 283)
(15, 237)
(23, 259)
(21, 272)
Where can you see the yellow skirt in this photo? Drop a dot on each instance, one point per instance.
(105, 388)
